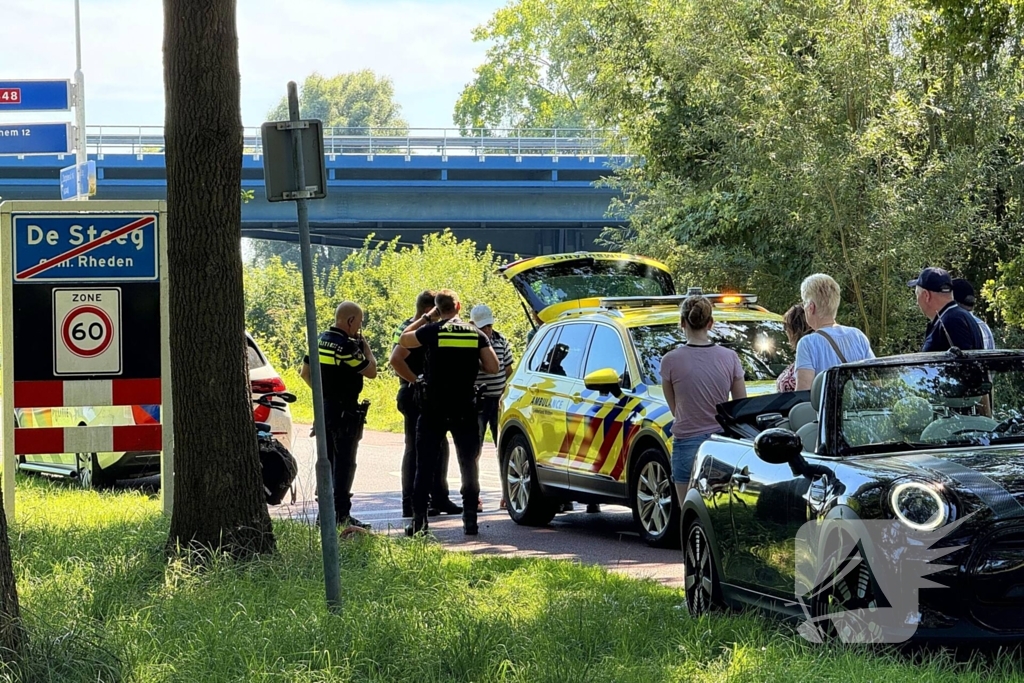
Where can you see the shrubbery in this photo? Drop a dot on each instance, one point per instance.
(384, 279)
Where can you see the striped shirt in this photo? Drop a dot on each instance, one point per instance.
(989, 341)
(494, 385)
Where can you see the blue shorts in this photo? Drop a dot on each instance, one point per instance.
(684, 452)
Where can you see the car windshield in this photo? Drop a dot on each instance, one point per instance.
(958, 402)
(761, 344)
(560, 282)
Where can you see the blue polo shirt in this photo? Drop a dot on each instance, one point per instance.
(959, 324)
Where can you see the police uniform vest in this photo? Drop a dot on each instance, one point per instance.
(341, 362)
(452, 362)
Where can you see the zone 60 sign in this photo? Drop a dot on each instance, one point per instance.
(88, 326)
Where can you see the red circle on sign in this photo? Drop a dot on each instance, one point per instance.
(69, 341)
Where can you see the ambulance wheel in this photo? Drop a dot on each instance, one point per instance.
(653, 499)
(525, 499)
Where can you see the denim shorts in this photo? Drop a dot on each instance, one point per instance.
(684, 451)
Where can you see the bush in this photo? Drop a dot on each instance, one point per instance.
(385, 280)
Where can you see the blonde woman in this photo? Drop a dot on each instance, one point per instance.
(696, 377)
(830, 343)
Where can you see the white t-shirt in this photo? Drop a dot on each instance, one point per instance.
(815, 353)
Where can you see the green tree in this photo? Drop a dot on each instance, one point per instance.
(532, 77)
(221, 507)
(348, 103)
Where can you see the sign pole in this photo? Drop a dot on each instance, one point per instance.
(81, 153)
(324, 483)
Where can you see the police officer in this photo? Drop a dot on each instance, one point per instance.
(949, 325)
(345, 359)
(408, 365)
(455, 353)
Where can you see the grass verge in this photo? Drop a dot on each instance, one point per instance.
(101, 604)
(381, 392)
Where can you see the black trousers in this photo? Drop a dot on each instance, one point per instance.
(344, 430)
(439, 485)
(432, 429)
(488, 417)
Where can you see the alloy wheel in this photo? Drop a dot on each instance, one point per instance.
(654, 498)
(699, 579)
(518, 478)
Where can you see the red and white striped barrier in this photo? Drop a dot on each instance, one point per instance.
(92, 392)
(42, 440)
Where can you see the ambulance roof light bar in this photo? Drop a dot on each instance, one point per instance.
(718, 299)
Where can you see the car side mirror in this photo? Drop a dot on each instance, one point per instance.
(605, 381)
(778, 446)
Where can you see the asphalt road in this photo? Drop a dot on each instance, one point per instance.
(607, 538)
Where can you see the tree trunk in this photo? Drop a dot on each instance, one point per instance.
(12, 634)
(218, 486)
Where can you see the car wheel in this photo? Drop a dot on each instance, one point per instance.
(703, 593)
(90, 475)
(845, 597)
(526, 503)
(655, 509)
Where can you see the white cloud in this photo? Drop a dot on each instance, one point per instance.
(424, 45)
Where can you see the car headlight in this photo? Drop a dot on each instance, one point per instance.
(919, 506)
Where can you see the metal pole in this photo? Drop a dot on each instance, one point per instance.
(324, 483)
(81, 154)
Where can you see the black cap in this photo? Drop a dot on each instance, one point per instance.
(963, 292)
(933, 280)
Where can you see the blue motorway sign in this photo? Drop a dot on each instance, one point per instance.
(69, 182)
(35, 95)
(35, 138)
(85, 247)
(78, 180)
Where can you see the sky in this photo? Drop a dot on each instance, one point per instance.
(425, 46)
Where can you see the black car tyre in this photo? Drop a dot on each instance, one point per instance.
(653, 499)
(526, 503)
(90, 475)
(846, 595)
(703, 592)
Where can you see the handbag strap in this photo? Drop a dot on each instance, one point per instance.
(832, 343)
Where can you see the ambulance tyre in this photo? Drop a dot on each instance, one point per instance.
(525, 499)
(653, 499)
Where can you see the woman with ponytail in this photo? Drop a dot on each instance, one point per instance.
(696, 377)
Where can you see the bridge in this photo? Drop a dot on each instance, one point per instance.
(522, 194)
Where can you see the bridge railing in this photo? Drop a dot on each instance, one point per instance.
(140, 140)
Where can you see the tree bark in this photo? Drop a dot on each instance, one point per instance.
(12, 633)
(218, 490)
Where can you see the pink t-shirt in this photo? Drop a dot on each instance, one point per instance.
(701, 378)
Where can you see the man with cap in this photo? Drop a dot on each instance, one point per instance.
(493, 385)
(949, 325)
(963, 294)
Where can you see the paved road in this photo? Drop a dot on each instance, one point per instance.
(607, 538)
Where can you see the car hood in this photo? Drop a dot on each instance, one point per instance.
(994, 475)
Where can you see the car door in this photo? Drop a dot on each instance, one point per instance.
(602, 417)
(544, 404)
(566, 370)
(768, 507)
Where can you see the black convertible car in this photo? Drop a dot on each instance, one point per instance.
(886, 503)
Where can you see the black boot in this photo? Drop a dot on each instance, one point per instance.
(418, 526)
(469, 523)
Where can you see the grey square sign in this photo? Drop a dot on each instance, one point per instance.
(278, 167)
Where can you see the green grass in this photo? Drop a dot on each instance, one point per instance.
(101, 604)
(381, 392)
